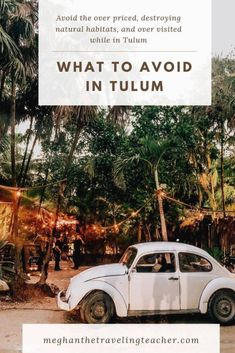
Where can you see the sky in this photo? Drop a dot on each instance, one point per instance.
(223, 26)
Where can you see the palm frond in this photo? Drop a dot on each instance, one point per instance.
(118, 170)
(3, 6)
(8, 48)
(22, 29)
(152, 150)
(119, 114)
(82, 114)
(4, 144)
(17, 69)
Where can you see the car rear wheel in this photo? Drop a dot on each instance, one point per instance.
(222, 307)
(97, 308)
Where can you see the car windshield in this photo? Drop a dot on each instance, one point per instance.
(128, 257)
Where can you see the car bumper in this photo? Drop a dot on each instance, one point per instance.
(62, 302)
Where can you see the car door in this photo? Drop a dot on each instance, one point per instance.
(153, 285)
(195, 273)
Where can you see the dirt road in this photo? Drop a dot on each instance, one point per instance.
(13, 315)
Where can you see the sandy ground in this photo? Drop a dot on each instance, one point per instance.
(13, 315)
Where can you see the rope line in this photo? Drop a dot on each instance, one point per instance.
(11, 188)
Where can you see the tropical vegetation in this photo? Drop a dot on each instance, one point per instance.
(126, 174)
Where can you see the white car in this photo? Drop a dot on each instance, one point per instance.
(153, 278)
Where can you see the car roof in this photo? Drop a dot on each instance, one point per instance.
(167, 246)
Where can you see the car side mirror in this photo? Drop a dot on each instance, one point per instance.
(134, 270)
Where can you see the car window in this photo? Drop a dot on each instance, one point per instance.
(128, 257)
(193, 263)
(156, 262)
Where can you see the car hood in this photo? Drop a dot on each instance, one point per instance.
(232, 275)
(100, 271)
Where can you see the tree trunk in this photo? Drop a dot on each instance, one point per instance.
(14, 229)
(160, 205)
(13, 123)
(3, 78)
(139, 233)
(46, 261)
(147, 234)
(58, 205)
(16, 202)
(30, 157)
(67, 167)
(211, 189)
(222, 168)
(45, 265)
(19, 244)
(18, 259)
(26, 151)
(157, 235)
(73, 147)
(14, 219)
(41, 199)
(19, 281)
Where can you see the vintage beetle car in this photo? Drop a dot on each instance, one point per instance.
(153, 278)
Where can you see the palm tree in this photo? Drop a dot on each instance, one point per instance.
(223, 110)
(17, 33)
(80, 116)
(150, 153)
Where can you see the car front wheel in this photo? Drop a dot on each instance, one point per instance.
(97, 308)
(222, 307)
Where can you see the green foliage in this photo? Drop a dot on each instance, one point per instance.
(217, 253)
(109, 155)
